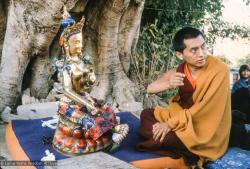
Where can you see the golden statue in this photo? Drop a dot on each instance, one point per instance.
(85, 123)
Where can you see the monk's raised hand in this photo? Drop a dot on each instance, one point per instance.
(176, 79)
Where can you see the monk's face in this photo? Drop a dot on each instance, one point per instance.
(195, 53)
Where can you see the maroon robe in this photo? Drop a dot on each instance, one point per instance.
(171, 146)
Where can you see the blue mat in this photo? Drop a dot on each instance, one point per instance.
(30, 134)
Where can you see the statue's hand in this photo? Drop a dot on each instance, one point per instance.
(94, 111)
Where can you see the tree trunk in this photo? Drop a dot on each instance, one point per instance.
(41, 82)
(112, 28)
(111, 31)
(3, 18)
(31, 26)
(128, 32)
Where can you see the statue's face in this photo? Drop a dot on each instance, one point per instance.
(75, 44)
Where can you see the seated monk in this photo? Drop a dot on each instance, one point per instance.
(195, 126)
(85, 123)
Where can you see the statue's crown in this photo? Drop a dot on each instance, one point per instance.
(71, 30)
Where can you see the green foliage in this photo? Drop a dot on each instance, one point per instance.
(224, 60)
(153, 55)
(160, 21)
(173, 15)
(247, 2)
(244, 61)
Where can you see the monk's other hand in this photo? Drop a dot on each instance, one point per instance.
(176, 79)
(160, 130)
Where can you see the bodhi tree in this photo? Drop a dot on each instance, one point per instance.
(162, 19)
(29, 38)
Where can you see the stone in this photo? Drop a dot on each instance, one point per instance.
(5, 114)
(27, 92)
(26, 99)
(99, 160)
(135, 107)
(37, 110)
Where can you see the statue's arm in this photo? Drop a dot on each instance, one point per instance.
(71, 94)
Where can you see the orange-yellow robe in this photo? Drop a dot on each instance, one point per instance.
(205, 126)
